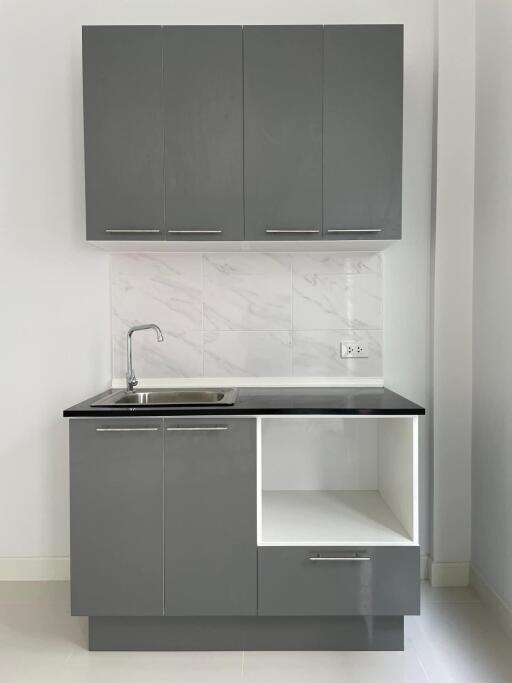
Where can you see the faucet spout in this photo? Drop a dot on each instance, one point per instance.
(131, 379)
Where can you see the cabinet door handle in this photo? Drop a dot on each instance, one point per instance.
(354, 558)
(208, 428)
(213, 231)
(130, 231)
(282, 231)
(127, 429)
(354, 230)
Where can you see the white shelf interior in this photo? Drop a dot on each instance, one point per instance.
(338, 481)
(329, 518)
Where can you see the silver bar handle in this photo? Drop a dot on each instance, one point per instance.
(354, 558)
(127, 429)
(208, 428)
(282, 231)
(354, 230)
(130, 231)
(213, 231)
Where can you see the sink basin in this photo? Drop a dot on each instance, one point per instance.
(169, 397)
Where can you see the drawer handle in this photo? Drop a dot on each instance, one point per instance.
(131, 230)
(353, 230)
(279, 231)
(352, 558)
(216, 231)
(212, 428)
(127, 429)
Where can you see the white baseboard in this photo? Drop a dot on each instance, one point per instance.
(34, 568)
(501, 611)
(443, 574)
(424, 567)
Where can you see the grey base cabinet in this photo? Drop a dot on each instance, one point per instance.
(164, 550)
(116, 508)
(330, 581)
(210, 517)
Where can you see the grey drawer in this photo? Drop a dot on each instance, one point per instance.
(367, 581)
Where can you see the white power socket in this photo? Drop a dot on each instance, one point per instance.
(354, 349)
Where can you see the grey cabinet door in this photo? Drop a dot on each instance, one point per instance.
(362, 141)
(116, 500)
(283, 132)
(123, 132)
(344, 581)
(210, 517)
(203, 120)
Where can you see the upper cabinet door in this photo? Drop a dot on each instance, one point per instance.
(362, 141)
(283, 132)
(122, 71)
(203, 110)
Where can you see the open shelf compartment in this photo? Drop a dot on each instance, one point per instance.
(337, 481)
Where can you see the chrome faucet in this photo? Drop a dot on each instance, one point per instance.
(131, 380)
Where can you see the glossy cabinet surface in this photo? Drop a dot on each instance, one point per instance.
(116, 524)
(210, 517)
(229, 133)
(123, 132)
(345, 581)
(283, 132)
(362, 132)
(203, 132)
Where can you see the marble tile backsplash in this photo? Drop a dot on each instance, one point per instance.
(248, 314)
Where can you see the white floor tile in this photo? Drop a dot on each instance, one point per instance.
(455, 640)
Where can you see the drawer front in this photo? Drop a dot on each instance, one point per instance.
(338, 581)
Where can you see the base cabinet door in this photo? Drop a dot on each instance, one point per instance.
(377, 581)
(116, 517)
(210, 517)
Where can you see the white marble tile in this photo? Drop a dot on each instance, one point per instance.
(336, 263)
(247, 291)
(316, 353)
(328, 302)
(161, 288)
(247, 354)
(179, 355)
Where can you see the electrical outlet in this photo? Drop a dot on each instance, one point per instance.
(354, 349)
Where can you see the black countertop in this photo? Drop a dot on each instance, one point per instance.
(273, 401)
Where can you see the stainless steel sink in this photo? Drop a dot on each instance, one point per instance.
(169, 397)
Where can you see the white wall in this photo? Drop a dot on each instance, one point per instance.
(492, 330)
(55, 294)
(452, 289)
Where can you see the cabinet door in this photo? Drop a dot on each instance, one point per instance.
(210, 517)
(283, 132)
(123, 132)
(203, 132)
(362, 153)
(116, 500)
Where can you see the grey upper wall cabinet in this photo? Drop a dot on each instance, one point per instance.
(123, 132)
(203, 121)
(116, 499)
(283, 132)
(210, 517)
(362, 137)
(192, 131)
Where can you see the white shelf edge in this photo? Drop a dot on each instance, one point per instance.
(254, 382)
(338, 544)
